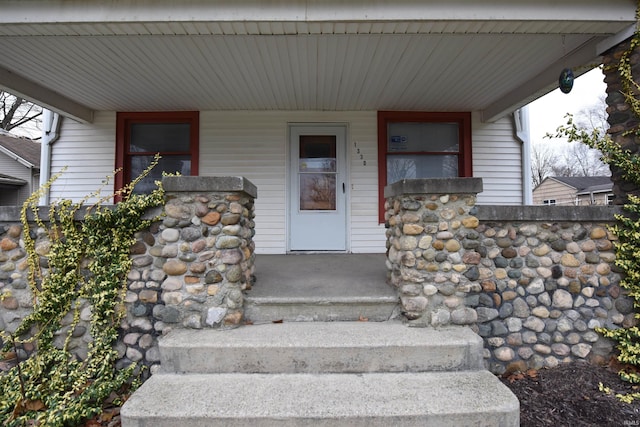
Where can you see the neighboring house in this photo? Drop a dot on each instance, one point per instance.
(19, 168)
(574, 190)
(319, 104)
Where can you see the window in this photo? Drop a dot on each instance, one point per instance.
(139, 136)
(549, 202)
(609, 199)
(422, 145)
(317, 172)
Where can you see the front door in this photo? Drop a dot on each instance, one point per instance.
(317, 205)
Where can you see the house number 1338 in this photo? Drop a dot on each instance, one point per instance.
(359, 153)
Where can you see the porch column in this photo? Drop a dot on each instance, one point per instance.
(201, 254)
(620, 115)
(432, 248)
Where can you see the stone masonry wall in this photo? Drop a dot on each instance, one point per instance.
(546, 287)
(620, 116)
(189, 269)
(16, 298)
(534, 282)
(429, 235)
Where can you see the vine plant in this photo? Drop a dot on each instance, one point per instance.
(88, 262)
(627, 227)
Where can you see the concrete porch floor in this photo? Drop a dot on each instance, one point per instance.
(321, 276)
(320, 287)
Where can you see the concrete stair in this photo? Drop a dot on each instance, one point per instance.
(321, 287)
(377, 308)
(322, 374)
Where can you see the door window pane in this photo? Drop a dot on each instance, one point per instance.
(317, 171)
(317, 192)
(314, 146)
(320, 164)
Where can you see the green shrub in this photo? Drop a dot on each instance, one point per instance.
(53, 387)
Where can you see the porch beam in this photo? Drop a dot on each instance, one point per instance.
(544, 82)
(616, 39)
(43, 96)
(114, 11)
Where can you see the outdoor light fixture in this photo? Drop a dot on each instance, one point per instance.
(566, 80)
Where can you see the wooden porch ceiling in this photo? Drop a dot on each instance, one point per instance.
(77, 59)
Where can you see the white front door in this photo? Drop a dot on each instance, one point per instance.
(317, 202)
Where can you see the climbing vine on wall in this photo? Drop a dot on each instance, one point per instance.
(88, 262)
(627, 227)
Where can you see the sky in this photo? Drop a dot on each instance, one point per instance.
(547, 113)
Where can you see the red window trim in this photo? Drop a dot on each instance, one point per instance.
(465, 166)
(124, 119)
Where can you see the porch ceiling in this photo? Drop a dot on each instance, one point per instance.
(77, 64)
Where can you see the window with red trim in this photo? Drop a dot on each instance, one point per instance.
(139, 136)
(422, 145)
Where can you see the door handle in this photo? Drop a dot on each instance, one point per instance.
(343, 189)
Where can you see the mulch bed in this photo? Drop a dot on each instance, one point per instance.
(568, 395)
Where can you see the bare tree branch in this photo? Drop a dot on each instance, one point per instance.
(542, 160)
(576, 159)
(18, 115)
(23, 120)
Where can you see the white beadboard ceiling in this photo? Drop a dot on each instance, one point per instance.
(491, 66)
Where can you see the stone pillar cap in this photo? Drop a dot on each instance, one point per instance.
(434, 186)
(209, 183)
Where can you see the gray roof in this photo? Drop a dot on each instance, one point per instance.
(605, 188)
(584, 183)
(22, 147)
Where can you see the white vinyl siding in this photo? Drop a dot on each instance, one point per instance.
(11, 167)
(366, 234)
(255, 144)
(497, 159)
(88, 151)
(250, 145)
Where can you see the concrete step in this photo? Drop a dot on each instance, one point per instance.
(321, 287)
(320, 308)
(317, 347)
(442, 399)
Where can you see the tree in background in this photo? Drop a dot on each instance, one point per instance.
(543, 159)
(594, 117)
(582, 159)
(574, 158)
(19, 116)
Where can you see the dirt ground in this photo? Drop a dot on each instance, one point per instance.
(568, 395)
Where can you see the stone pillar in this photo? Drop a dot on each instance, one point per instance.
(190, 270)
(433, 250)
(620, 115)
